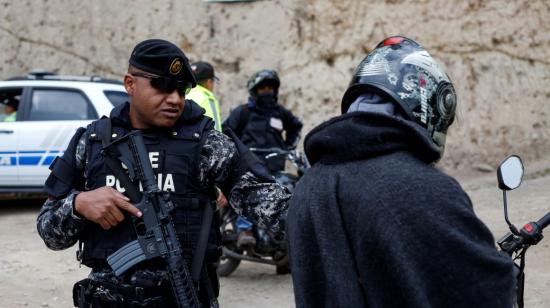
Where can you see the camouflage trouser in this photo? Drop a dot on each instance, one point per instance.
(100, 292)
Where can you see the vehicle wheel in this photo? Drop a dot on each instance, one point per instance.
(283, 264)
(227, 266)
(283, 269)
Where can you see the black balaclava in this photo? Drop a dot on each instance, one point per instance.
(266, 100)
(374, 103)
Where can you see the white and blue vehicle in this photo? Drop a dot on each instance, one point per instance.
(51, 108)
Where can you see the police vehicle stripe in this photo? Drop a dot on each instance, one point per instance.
(31, 152)
(48, 160)
(29, 158)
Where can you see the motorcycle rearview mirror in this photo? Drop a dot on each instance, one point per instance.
(509, 175)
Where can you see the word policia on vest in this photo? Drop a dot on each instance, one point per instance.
(165, 181)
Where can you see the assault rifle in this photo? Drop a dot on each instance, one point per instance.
(156, 235)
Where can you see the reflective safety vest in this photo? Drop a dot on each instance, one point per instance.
(206, 99)
(11, 117)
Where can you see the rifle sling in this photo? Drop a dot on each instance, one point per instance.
(115, 166)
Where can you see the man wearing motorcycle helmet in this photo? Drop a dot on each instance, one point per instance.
(374, 223)
(260, 122)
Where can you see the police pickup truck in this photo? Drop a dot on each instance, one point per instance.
(50, 109)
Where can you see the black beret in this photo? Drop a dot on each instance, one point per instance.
(162, 58)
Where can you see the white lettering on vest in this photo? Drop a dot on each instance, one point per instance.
(111, 181)
(159, 181)
(154, 158)
(164, 182)
(119, 188)
(169, 183)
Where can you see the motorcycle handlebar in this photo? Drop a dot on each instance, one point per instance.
(544, 221)
(529, 235)
(296, 158)
(270, 150)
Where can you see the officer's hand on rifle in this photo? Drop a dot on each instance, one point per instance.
(221, 200)
(103, 206)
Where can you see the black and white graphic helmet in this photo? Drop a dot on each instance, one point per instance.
(402, 69)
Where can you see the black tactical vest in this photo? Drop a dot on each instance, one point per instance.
(175, 157)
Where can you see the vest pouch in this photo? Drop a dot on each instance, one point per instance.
(187, 218)
(96, 168)
(100, 243)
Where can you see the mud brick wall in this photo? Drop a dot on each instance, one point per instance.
(496, 52)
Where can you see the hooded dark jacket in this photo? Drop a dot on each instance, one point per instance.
(374, 224)
(256, 127)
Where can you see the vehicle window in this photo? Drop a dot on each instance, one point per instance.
(47, 105)
(9, 103)
(116, 97)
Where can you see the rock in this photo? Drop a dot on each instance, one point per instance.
(483, 167)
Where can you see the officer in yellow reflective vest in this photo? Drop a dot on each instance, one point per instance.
(202, 94)
(10, 109)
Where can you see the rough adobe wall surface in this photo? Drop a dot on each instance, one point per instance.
(496, 52)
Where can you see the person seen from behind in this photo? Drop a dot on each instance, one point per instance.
(374, 223)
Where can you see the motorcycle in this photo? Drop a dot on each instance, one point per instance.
(267, 249)
(516, 242)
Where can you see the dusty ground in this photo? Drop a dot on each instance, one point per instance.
(33, 276)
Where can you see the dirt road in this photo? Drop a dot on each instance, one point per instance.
(33, 276)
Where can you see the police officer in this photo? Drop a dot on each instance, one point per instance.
(373, 223)
(87, 203)
(10, 109)
(203, 94)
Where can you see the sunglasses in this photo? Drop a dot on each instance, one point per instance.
(167, 85)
